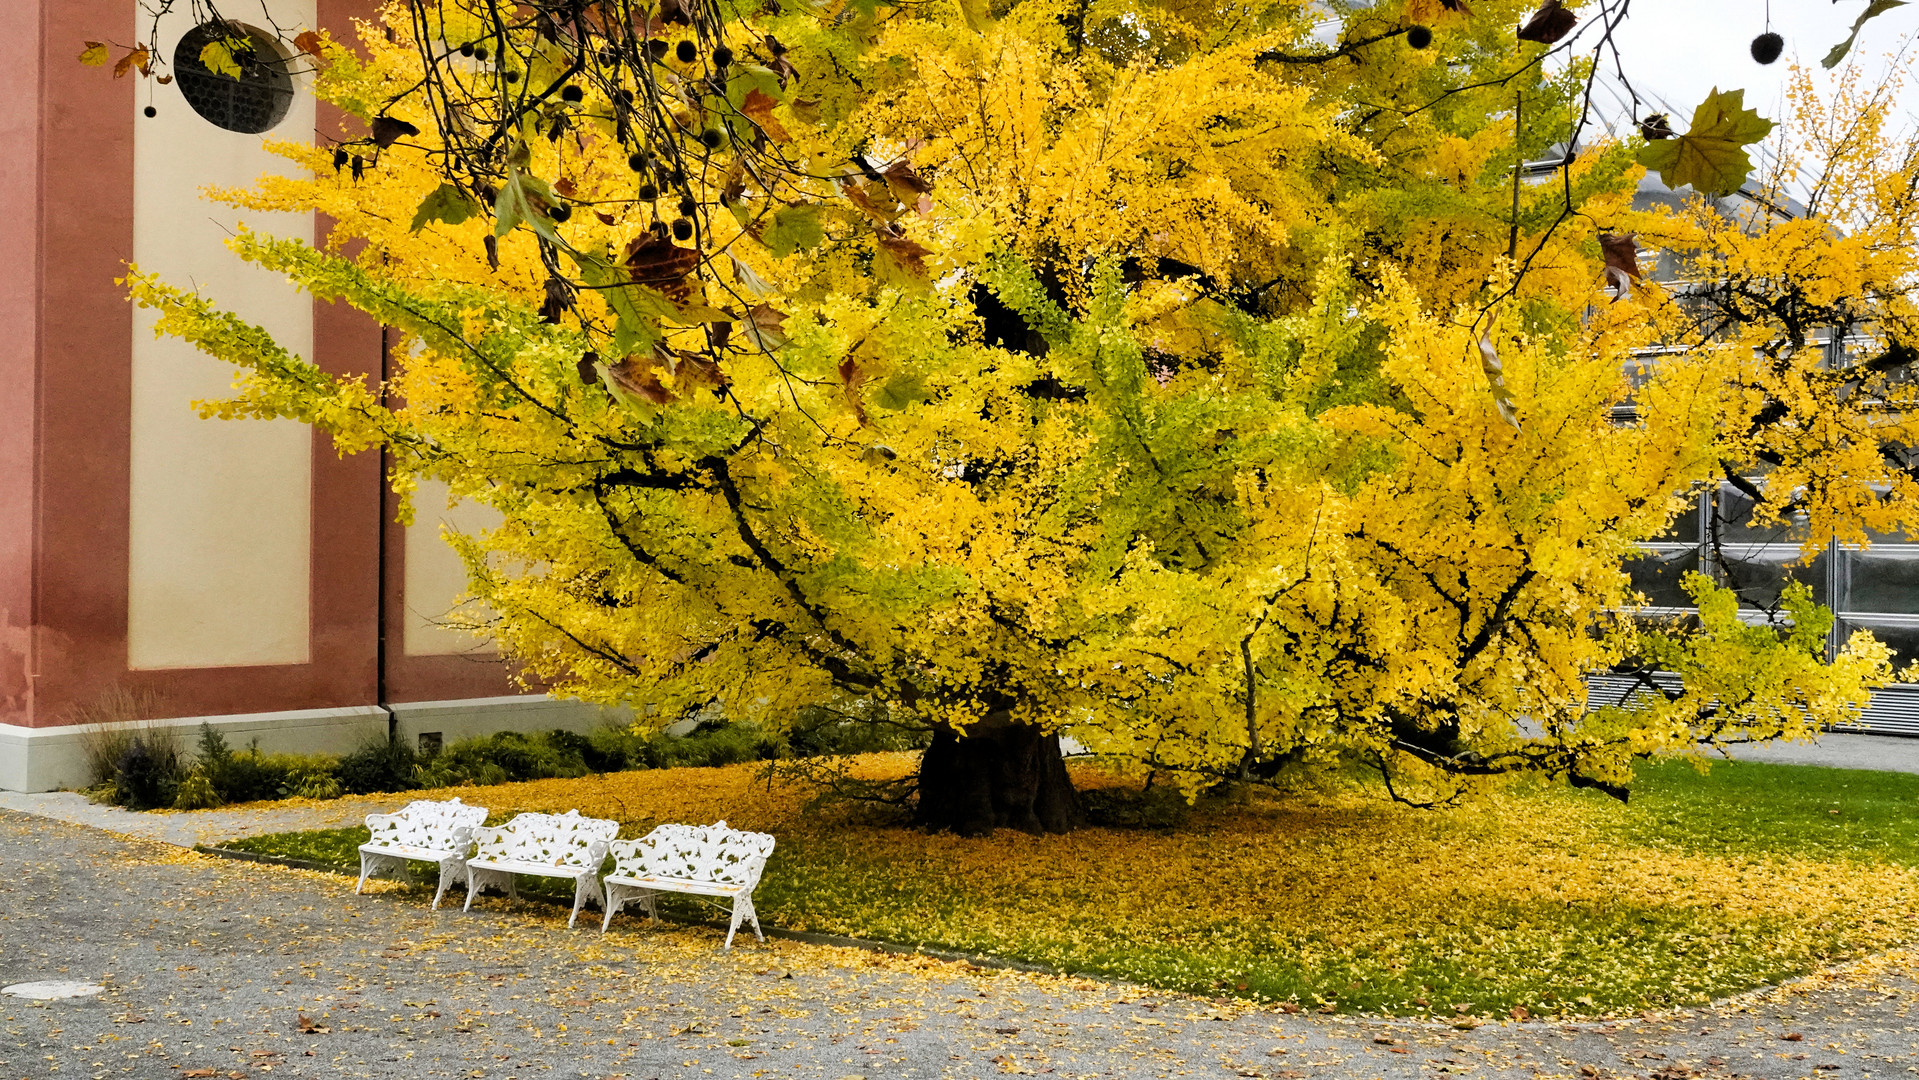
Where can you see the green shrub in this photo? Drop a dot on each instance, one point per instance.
(380, 765)
(197, 792)
(862, 726)
(154, 775)
(609, 749)
(312, 776)
(221, 776)
(149, 772)
(505, 756)
(712, 743)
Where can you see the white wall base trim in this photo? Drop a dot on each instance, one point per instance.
(467, 717)
(49, 759)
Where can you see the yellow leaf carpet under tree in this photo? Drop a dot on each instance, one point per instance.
(1204, 381)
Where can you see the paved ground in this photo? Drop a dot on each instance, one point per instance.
(211, 966)
(187, 828)
(1884, 752)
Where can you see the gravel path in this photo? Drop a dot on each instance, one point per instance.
(186, 828)
(210, 966)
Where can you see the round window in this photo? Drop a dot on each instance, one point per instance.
(251, 103)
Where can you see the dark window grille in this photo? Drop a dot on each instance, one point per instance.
(250, 104)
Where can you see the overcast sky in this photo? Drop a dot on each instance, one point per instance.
(1681, 49)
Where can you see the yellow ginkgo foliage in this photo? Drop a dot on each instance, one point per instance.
(1204, 381)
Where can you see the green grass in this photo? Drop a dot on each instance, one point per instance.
(1748, 808)
(1550, 899)
(331, 847)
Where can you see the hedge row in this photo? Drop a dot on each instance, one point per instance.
(145, 768)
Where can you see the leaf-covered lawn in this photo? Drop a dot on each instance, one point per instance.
(1544, 899)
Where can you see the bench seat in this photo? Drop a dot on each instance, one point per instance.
(409, 851)
(524, 866)
(682, 885)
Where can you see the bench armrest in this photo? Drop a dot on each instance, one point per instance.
(374, 821)
(463, 839)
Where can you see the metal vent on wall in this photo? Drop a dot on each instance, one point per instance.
(250, 104)
(1893, 710)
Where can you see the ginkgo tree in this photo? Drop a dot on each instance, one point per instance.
(1208, 382)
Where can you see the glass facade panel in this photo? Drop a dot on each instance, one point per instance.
(1687, 528)
(1900, 634)
(1885, 579)
(1658, 574)
(1736, 525)
(1759, 574)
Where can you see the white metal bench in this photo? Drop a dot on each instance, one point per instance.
(548, 845)
(423, 830)
(710, 860)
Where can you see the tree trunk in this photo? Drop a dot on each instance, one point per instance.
(999, 775)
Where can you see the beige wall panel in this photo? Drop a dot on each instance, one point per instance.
(435, 585)
(220, 513)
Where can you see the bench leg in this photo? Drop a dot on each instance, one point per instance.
(613, 903)
(585, 887)
(450, 871)
(752, 914)
(579, 897)
(472, 887)
(615, 897)
(739, 912)
(371, 864)
(743, 911)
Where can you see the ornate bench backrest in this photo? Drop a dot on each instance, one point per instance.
(696, 853)
(549, 839)
(425, 823)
